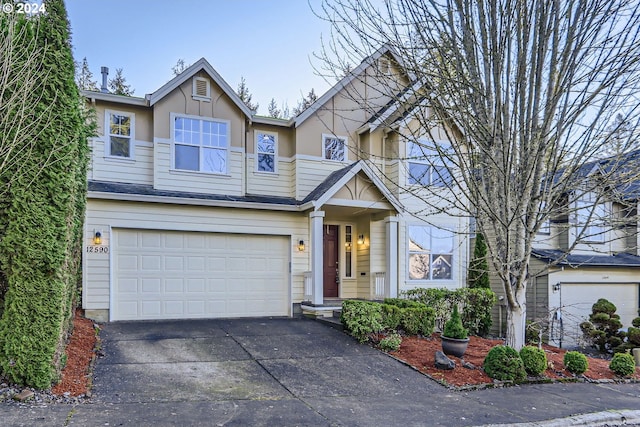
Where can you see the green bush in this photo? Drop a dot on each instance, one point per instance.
(534, 360)
(453, 328)
(404, 303)
(575, 362)
(504, 363)
(636, 322)
(361, 318)
(602, 330)
(418, 320)
(391, 342)
(475, 306)
(391, 317)
(633, 336)
(623, 364)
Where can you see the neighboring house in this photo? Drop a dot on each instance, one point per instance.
(198, 208)
(589, 252)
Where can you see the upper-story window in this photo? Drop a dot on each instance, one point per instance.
(334, 147)
(430, 253)
(590, 218)
(120, 130)
(266, 151)
(425, 166)
(200, 144)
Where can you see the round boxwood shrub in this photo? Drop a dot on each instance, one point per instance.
(575, 362)
(504, 363)
(534, 360)
(623, 364)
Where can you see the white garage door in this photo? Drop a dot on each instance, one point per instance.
(178, 275)
(578, 299)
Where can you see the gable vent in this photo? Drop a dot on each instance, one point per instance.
(384, 66)
(201, 88)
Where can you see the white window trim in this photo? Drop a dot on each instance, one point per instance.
(430, 164)
(454, 255)
(332, 136)
(343, 251)
(588, 200)
(275, 152)
(107, 134)
(194, 94)
(173, 117)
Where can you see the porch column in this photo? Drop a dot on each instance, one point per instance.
(316, 223)
(391, 256)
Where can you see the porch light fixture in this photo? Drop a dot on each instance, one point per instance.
(97, 238)
(360, 239)
(301, 245)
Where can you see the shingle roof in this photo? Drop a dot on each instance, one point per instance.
(618, 260)
(148, 190)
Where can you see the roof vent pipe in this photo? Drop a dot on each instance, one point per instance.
(105, 74)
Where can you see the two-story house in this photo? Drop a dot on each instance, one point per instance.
(198, 208)
(588, 250)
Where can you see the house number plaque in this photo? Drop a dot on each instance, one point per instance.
(95, 249)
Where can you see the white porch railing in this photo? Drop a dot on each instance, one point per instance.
(379, 285)
(308, 286)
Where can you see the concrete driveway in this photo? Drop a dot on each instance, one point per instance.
(293, 372)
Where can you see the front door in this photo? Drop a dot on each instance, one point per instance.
(330, 256)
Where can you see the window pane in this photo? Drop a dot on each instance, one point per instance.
(419, 173)
(120, 125)
(419, 239)
(347, 264)
(266, 163)
(441, 267)
(187, 157)
(221, 135)
(441, 176)
(417, 151)
(214, 160)
(441, 240)
(266, 143)
(334, 149)
(418, 267)
(120, 146)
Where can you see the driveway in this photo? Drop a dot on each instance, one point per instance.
(290, 372)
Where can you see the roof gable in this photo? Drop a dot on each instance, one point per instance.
(200, 65)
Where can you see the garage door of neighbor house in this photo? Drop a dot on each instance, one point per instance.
(579, 298)
(183, 275)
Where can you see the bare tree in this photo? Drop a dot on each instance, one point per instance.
(524, 88)
(273, 110)
(305, 102)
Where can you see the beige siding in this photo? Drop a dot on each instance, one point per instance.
(270, 184)
(104, 215)
(138, 170)
(377, 252)
(167, 178)
(310, 173)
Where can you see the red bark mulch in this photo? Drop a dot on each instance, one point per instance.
(420, 353)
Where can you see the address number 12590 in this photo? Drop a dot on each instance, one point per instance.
(98, 249)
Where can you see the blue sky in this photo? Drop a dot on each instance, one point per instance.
(271, 43)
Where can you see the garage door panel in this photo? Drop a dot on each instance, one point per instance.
(176, 275)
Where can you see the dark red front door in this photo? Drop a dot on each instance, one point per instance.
(330, 257)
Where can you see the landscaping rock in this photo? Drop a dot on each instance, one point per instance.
(468, 365)
(24, 395)
(443, 362)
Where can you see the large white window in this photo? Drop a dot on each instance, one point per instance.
(120, 129)
(200, 144)
(334, 147)
(425, 166)
(266, 151)
(590, 218)
(430, 253)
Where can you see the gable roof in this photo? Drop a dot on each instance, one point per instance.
(338, 179)
(200, 65)
(346, 80)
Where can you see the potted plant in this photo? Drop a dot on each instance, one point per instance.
(455, 337)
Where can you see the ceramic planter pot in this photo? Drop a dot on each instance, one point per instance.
(454, 347)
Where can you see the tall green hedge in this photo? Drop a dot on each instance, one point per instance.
(474, 305)
(42, 219)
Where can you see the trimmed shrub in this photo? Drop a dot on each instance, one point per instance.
(391, 316)
(504, 363)
(361, 318)
(636, 322)
(575, 362)
(404, 303)
(534, 360)
(418, 320)
(633, 336)
(453, 328)
(391, 342)
(603, 328)
(623, 364)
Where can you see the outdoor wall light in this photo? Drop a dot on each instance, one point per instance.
(360, 239)
(97, 238)
(301, 245)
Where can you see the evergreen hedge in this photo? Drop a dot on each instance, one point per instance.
(41, 222)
